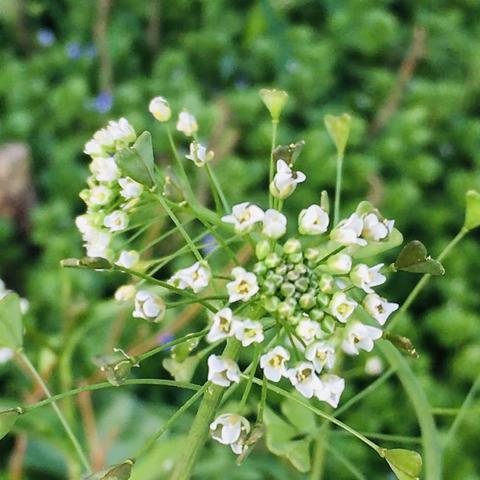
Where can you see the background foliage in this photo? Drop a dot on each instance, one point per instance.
(408, 71)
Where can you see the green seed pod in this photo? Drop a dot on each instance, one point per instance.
(326, 283)
(307, 301)
(272, 260)
(296, 257)
(322, 299)
(316, 314)
(262, 249)
(287, 289)
(302, 284)
(271, 304)
(292, 245)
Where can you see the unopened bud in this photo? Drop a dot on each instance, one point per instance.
(307, 301)
(160, 109)
(272, 260)
(316, 314)
(292, 245)
(287, 289)
(262, 249)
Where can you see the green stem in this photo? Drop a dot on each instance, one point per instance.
(338, 189)
(76, 444)
(218, 194)
(200, 426)
(272, 163)
(248, 387)
(319, 455)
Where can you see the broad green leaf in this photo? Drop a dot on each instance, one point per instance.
(181, 371)
(7, 420)
(137, 162)
(298, 453)
(472, 211)
(339, 129)
(375, 248)
(11, 326)
(299, 416)
(406, 464)
(121, 471)
(413, 258)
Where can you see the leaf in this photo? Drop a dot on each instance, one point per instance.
(137, 162)
(374, 248)
(298, 454)
(121, 471)
(7, 420)
(406, 464)
(339, 129)
(472, 210)
(181, 371)
(413, 258)
(11, 326)
(299, 416)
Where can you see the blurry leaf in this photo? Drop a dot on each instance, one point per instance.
(137, 162)
(374, 248)
(121, 471)
(339, 129)
(11, 327)
(181, 371)
(413, 258)
(288, 153)
(406, 464)
(472, 212)
(298, 415)
(299, 454)
(7, 420)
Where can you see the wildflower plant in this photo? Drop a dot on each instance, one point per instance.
(294, 299)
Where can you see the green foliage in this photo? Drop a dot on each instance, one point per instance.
(413, 258)
(11, 325)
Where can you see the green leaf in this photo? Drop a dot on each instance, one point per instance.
(7, 420)
(121, 471)
(137, 162)
(298, 453)
(472, 211)
(339, 129)
(406, 464)
(413, 258)
(375, 248)
(11, 327)
(181, 371)
(299, 416)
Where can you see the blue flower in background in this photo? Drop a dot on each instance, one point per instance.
(74, 50)
(209, 244)
(103, 102)
(45, 37)
(165, 338)
(90, 51)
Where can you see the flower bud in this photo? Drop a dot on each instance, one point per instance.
(285, 309)
(292, 245)
(149, 306)
(301, 284)
(339, 129)
(271, 304)
(259, 269)
(272, 260)
(125, 293)
(262, 249)
(269, 287)
(322, 299)
(275, 101)
(326, 283)
(329, 324)
(274, 224)
(339, 264)
(307, 301)
(312, 254)
(316, 314)
(287, 289)
(160, 109)
(295, 257)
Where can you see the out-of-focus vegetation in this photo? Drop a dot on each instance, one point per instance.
(408, 71)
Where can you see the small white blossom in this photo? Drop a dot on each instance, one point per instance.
(122, 132)
(313, 221)
(360, 337)
(365, 278)
(130, 188)
(308, 330)
(339, 264)
(99, 195)
(248, 332)
(125, 293)
(375, 229)
(97, 242)
(348, 231)
(273, 363)
(187, 123)
(104, 138)
(321, 354)
(93, 148)
(149, 306)
(244, 216)
(304, 379)
(104, 169)
(160, 109)
(116, 221)
(231, 429)
(331, 389)
(341, 306)
(378, 307)
(274, 224)
(285, 180)
(222, 371)
(196, 277)
(199, 154)
(128, 258)
(374, 366)
(243, 287)
(222, 326)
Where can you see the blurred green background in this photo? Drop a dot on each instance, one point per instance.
(409, 73)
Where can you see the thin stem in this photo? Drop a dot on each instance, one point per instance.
(218, 194)
(263, 400)
(76, 444)
(248, 387)
(272, 163)
(338, 189)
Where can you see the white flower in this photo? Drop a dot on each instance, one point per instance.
(160, 109)
(199, 154)
(341, 306)
(104, 138)
(186, 123)
(285, 180)
(248, 332)
(244, 216)
(121, 131)
(365, 278)
(222, 326)
(196, 277)
(348, 231)
(128, 258)
(378, 307)
(308, 330)
(116, 221)
(360, 337)
(149, 306)
(125, 293)
(97, 242)
(374, 229)
(330, 390)
(93, 148)
(6, 354)
(321, 354)
(273, 363)
(85, 223)
(222, 371)
(304, 379)
(313, 221)
(274, 224)
(99, 195)
(374, 366)
(130, 188)
(231, 429)
(104, 169)
(339, 264)
(243, 287)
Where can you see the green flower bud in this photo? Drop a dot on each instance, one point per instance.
(260, 269)
(326, 283)
(322, 299)
(296, 257)
(300, 268)
(293, 275)
(312, 254)
(272, 260)
(8, 419)
(316, 314)
(295, 318)
(329, 324)
(271, 304)
(269, 288)
(292, 245)
(302, 284)
(277, 280)
(281, 269)
(275, 101)
(287, 289)
(262, 249)
(285, 310)
(307, 301)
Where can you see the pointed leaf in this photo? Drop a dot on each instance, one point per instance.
(339, 129)
(472, 211)
(413, 258)
(406, 464)
(299, 416)
(298, 454)
(121, 471)
(181, 371)
(278, 432)
(11, 326)
(7, 420)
